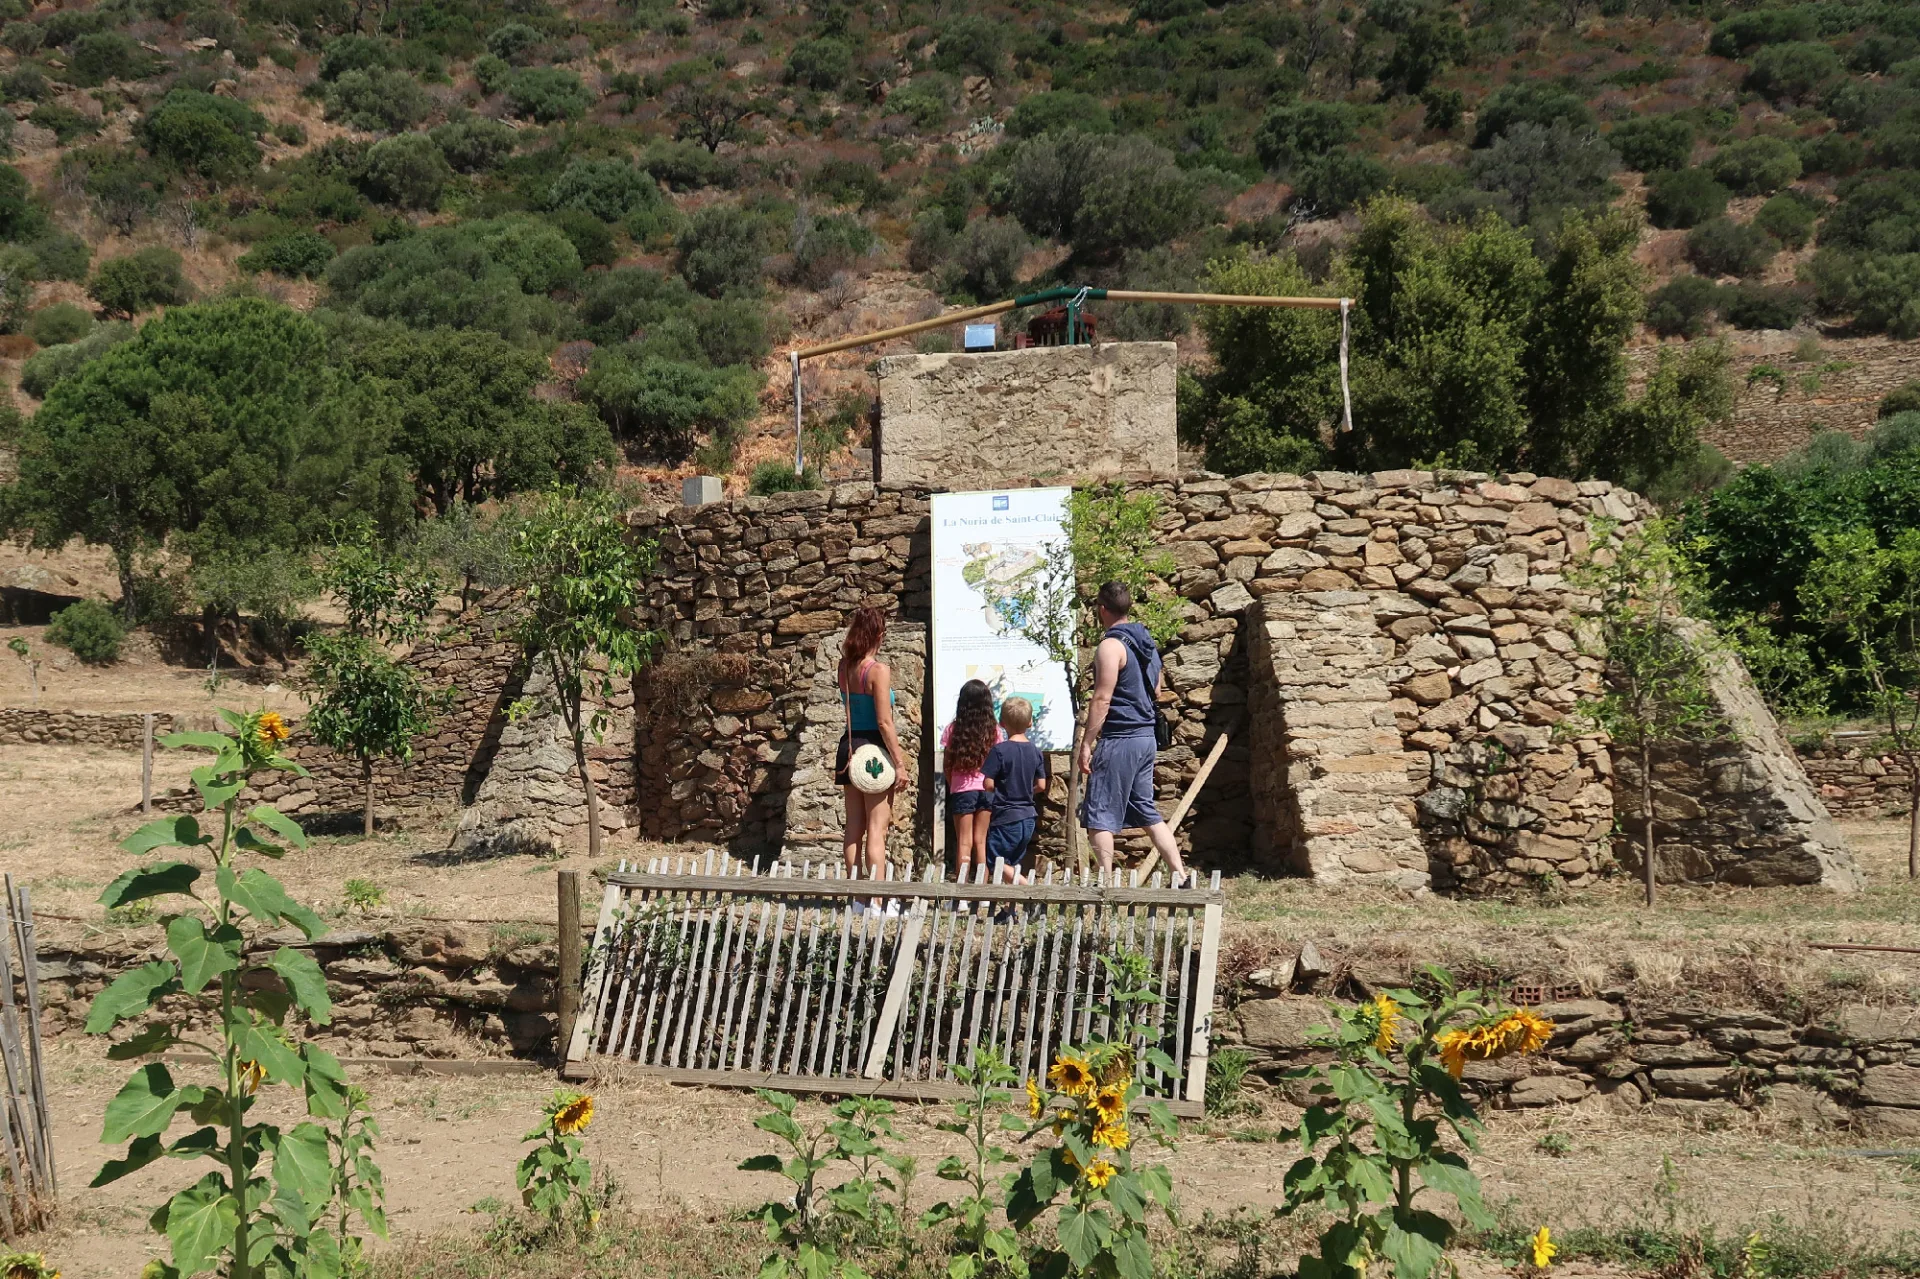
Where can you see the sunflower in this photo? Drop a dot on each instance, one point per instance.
(1453, 1051)
(271, 729)
(1117, 1069)
(1099, 1173)
(1111, 1104)
(1530, 1030)
(1036, 1104)
(1543, 1248)
(1385, 1012)
(1114, 1136)
(1071, 1076)
(573, 1115)
(252, 1075)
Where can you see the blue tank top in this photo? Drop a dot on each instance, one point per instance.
(1133, 712)
(862, 715)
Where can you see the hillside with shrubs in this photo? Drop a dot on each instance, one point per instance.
(273, 266)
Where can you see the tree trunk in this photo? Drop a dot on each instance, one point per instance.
(592, 792)
(123, 564)
(1646, 811)
(366, 773)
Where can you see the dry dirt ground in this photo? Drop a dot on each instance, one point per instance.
(448, 1144)
(451, 1143)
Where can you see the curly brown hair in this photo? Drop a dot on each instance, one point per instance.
(974, 730)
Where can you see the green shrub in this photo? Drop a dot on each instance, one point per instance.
(1296, 132)
(1733, 36)
(1534, 101)
(1881, 291)
(1054, 111)
(779, 477)
(985, 258)
(660, 405)
(301, 253)
(408, 170)
(687, 166)
(380, 99)
(474, 144)
(44, 368)
(111, 55)
(143, 279)
(929, 241)
(354, 53)
(24, 84)
(721, 251)
(1722, 246)
(973, 42)
(91, 629)
(1756, 166)
(608, 189)
(1684, 198)
(59, 323)
(1788, 218)
(20, 217)
(495, 275)
(1442, 108)
(589, 236)
(514, 42)
(1650, 143)
(66, 123)
(291, 132)
(932, 98)
(824, 63)
(63, 256)
(1682, 306)
(1903, 399)
(547, 94)
(1337, 181)
(848, 181)
(1896, 144)
(828, 245)
(1793, 72)
(492, 74)
(204, 134)
(23, 38)
(1763, 306)
(1101, 194)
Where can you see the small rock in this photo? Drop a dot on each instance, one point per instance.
(1547, 1090)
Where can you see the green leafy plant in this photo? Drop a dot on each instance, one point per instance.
(359, 1188)
(259, 1213)
(1381, 1109)
(983, 1249)
(19, 647)
(90, 629)
(812, 1230)
(580, 575)
(1658, 693)
(363, 894)
(1226, 1082)
(555, 1178)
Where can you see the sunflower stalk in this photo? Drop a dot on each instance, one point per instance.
(555, 1177)
(1373, 1139)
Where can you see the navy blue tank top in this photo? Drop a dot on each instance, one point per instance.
(1132, 713)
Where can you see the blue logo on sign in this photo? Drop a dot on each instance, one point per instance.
(1000, 503)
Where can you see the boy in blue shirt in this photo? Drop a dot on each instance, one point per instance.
(1015, 772)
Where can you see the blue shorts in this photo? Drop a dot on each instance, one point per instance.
(1120, 788)
(962, 802)
(1007, 842)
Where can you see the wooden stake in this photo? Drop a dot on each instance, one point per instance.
(1186, 800)
(146, 766)
(569, 992)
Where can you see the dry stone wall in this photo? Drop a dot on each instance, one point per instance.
(1857, 781)
(117, 730)
(1405, 641)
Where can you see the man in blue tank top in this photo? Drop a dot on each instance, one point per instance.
(1118, 747)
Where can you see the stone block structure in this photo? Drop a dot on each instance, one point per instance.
(1049, 413)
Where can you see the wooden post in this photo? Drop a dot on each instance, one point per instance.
(1186, 800)
(146, 766)
(569, 986)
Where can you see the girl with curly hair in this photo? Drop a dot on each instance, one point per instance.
(966, 742)
(866, 689)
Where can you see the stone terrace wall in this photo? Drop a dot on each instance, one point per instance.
(119, 730)
(1774, 416)
(1857, 782)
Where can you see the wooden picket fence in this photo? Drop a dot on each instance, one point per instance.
(713, 970)
(26, 1162)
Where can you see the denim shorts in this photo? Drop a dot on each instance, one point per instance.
(1007, 842)
(1119, 794)
(962, 802)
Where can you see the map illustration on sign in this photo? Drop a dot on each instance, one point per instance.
(987, 547)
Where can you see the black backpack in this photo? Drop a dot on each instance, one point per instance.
(1142, 663)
